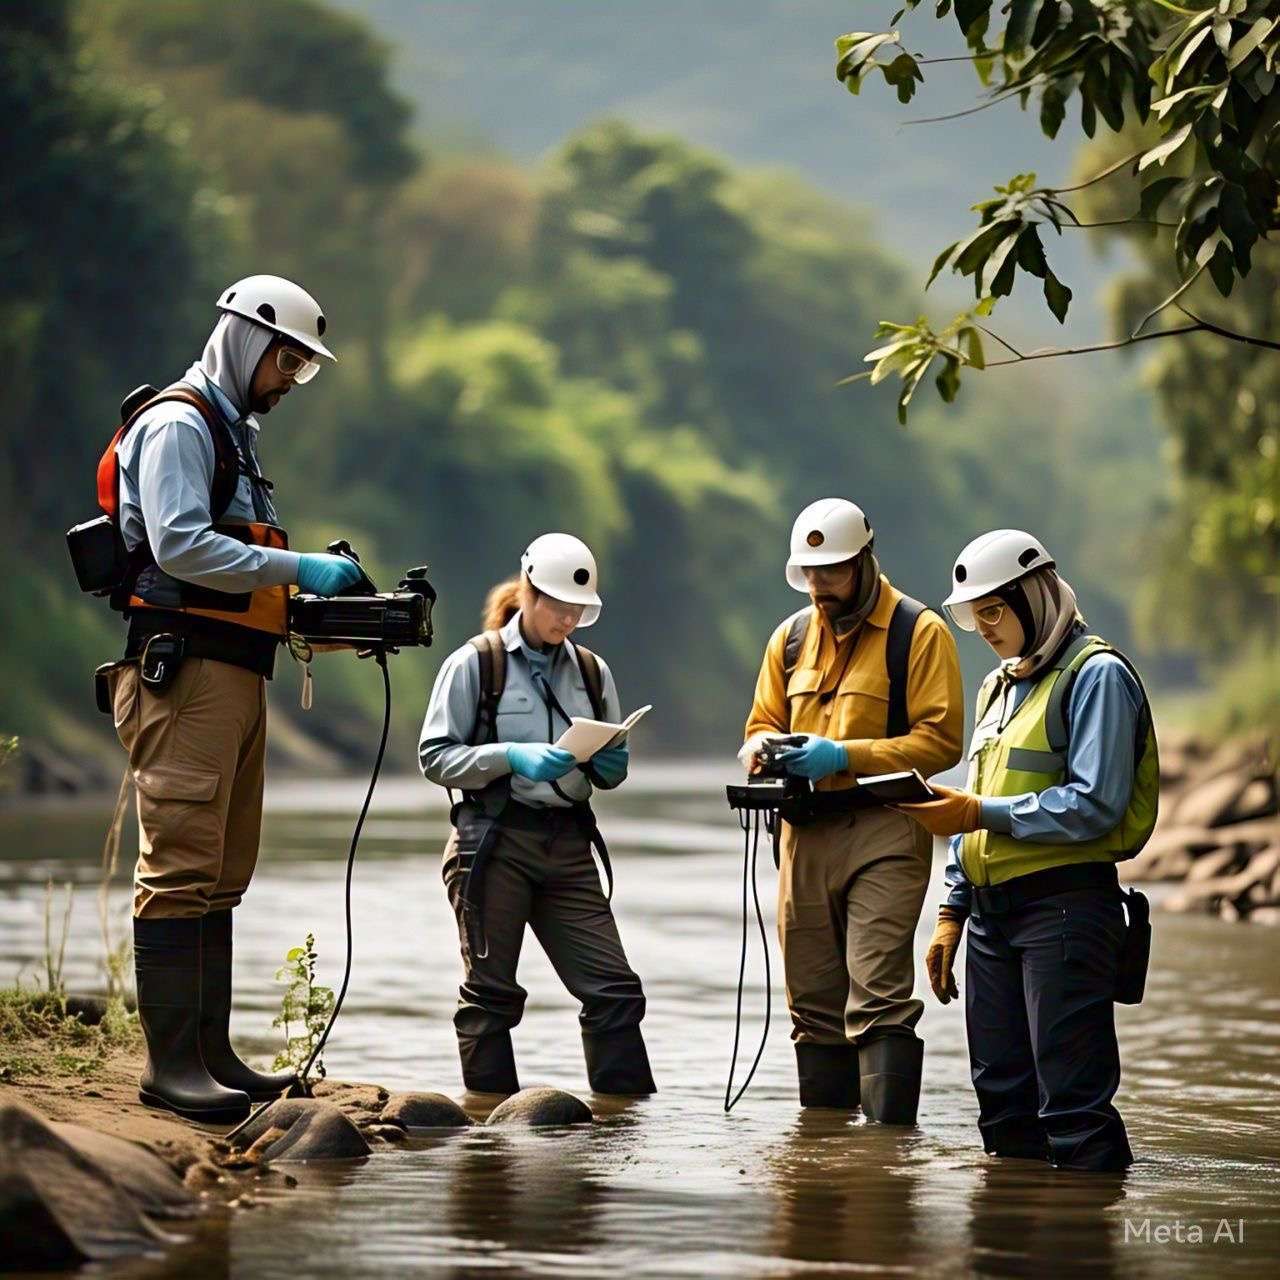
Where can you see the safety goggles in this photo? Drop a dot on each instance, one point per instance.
(966, 617)
(293, 364)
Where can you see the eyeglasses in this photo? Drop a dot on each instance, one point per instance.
(990, 614)
(293, 364)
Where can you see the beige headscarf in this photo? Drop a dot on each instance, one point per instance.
(1054, 611)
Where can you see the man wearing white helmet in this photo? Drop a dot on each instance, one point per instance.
(520, 851)
(1063, 783)
(871, 680)
(206, 594)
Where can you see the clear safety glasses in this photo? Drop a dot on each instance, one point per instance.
(966, 617)
(293, 364)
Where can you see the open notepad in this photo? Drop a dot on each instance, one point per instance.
(585, 737)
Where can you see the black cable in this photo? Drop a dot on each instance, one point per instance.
(750, 849)
(301, 1088)
(380, 657)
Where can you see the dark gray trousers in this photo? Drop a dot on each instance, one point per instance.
(547, 880)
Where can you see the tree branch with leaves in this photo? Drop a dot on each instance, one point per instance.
(1199, 78)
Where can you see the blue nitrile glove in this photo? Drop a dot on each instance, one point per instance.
(539, 761)
(610, 765)
(325, 575)
(818, 758)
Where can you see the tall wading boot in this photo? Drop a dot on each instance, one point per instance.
(167, 964)
(829, 1075)
(489, 1063)
(618, 1062)
(890, 1063)
(220, 1059)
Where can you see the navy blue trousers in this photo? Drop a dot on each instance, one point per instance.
(1040, 1013)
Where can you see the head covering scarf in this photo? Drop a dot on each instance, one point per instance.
(866, 591)
(231, 355)
(1051, 604)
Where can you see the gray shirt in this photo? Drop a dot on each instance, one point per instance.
(444, 751)
(166, 469)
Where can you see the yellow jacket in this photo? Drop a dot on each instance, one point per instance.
(856, 714)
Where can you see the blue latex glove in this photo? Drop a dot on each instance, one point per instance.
(610, 765)
(539, 761)
(326, 575)
(818, 758)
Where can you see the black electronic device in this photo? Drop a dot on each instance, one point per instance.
(797, 801)
(366, 617)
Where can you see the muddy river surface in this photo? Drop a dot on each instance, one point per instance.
(670, 1185)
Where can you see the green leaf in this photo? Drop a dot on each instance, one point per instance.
(1154, 195)
(1188, 50)
(940, 261)
(295, 954)
(1053, 110)
(1162, 151)
(1163, 106)
(972, 340)
(1250, 41)
(1022, 18)
(948, 379)
(903, 73)
(1057, 295)
(1031, 252)
(1221, 269)
(994, 278)
(973, 252)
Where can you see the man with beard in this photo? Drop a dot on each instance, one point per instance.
(206, 595)
(871, 680)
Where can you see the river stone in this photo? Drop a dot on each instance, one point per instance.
(424, 1111)
(58, 1207)
(1209, 865)
(313, 1130)
(1212, 803)
(540, 1106)
(154, 1187)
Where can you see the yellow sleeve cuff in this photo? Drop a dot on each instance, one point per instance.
(858, 752)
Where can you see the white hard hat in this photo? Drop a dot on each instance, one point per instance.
(563, 567)
(828, 531)
(996, 559)
(280, 305)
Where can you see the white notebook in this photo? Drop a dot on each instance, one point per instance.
(585, 737)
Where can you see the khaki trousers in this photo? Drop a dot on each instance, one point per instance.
(849, 897)
(196, 753)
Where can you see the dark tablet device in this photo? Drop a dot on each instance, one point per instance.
(898, 788)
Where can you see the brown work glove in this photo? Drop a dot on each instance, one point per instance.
(940, 958)
(951, 814)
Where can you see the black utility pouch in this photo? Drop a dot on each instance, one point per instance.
(161, 657)
(102, 687)
(1135, 952)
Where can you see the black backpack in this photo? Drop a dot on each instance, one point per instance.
(493, 679)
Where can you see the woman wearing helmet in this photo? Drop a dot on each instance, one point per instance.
(1063, 783)
(520, 851)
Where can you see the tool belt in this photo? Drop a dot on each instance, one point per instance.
(479, 821)
(205, 638)
(1021, 891)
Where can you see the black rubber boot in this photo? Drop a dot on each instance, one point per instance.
(489, 1063)
(166, 957)
(220, 1059)
(828, 1075)
(890, 1063)
(618, 1062)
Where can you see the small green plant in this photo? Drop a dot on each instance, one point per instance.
(55, 951)
(305, 1005)
(8, 749)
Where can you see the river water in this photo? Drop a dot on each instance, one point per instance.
(671, 1186)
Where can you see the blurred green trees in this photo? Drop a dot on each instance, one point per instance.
(637, 343)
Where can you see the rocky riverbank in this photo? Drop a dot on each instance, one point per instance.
(87, 1173)
(1218, 836)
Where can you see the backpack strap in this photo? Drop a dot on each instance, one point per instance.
(589, 665)
(1070, 664)
(226, 458)
(493, 679)
(897, 656)
(796, 632)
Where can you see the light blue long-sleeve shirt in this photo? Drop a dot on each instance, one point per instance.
(166, 470)
(444, 751)
(1102, 714)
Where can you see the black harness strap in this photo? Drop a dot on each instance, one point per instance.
(897, 660)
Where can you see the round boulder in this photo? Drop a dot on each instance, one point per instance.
(312, 1129)
(151, 1184)
(424, 1111)
(540, 1107)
